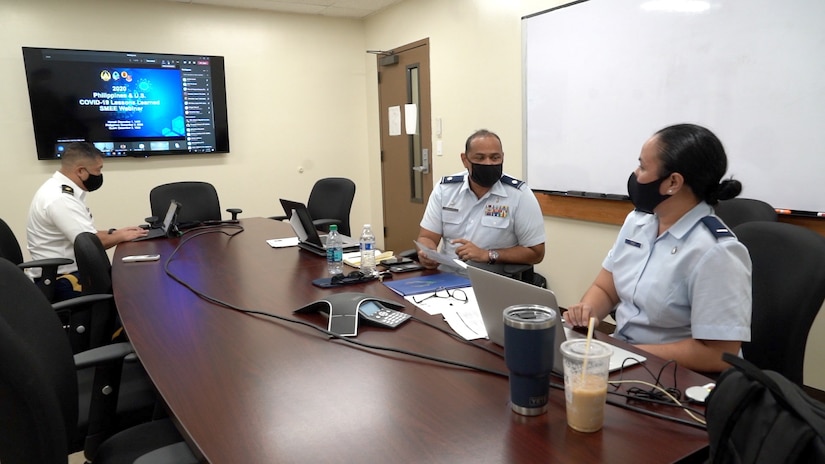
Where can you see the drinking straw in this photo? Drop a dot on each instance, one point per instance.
(590, 324)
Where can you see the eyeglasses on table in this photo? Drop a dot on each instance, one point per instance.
(454, 294)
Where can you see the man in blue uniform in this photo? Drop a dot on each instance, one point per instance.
(483, 215)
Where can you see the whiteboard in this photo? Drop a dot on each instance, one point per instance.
(601, 76)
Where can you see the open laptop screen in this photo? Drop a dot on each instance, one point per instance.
(171, 213)
(306, 221)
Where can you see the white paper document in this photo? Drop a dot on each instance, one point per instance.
(353, 258)
(441, 258)
(283, 242)
(463, 318)
(394, 118)
(466, 323)
(433, 305)
(411, 118)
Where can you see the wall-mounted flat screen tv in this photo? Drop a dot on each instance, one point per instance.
(127, 104)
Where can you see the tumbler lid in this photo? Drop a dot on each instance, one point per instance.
(529, 317)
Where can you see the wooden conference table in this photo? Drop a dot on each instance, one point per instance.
(252, 389)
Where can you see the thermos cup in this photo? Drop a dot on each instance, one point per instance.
(529, 334)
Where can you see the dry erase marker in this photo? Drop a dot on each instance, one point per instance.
(820, 214)
(783, 211)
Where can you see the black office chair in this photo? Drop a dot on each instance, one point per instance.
(95, 277)
(199, 202)
(137, 399)
(788, 291)
(330, 202)
(10, 250)
(741, 210)
(73, 315)
(39, 391)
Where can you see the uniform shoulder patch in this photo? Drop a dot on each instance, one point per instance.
(452, 179)
(512, 182)
(67, 189)
(716, 227)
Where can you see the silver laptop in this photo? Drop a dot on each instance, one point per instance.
(495, 292)
(305, 230)
(169, 223)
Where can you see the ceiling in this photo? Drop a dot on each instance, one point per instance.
(339, 8)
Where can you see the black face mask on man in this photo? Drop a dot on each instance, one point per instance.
(645, 197)
(93, 182)
(486, 175)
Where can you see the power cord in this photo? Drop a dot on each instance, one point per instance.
(657, 394)
(694, 414)
(458, 337)
(697, 423)
(657, 390)
(196, 232)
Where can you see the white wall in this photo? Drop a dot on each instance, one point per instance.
(302, 93)
(296, 93)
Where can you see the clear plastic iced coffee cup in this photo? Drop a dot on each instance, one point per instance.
(585, 382)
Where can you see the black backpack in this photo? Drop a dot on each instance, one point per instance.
(756, 416)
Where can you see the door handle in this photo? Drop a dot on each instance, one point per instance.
(425, 162)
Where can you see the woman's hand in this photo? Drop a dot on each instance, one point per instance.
(579, 314)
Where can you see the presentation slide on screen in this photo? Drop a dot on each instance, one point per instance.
(132, 102)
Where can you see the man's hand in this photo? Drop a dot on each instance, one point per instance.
(111, 238)
(130, 233)
(468, 251)
(426, 261)
(427, 239)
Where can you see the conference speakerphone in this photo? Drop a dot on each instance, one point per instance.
(377, 314)
(345, 309)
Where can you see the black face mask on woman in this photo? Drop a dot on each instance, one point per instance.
(645, 197)
(486, 175)
(93, 182)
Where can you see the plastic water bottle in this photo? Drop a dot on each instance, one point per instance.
(367, 250)
(335, 251)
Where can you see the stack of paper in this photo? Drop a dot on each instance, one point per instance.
(442, 258)
(354, 258)
(283, 242)
(463, 317)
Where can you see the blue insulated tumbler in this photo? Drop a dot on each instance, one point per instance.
(529, 334)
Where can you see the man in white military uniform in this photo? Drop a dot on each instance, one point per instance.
(483, 215)
(58, 213)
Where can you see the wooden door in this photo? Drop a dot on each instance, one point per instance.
(406, 145)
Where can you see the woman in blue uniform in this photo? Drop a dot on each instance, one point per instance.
(678, 279)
